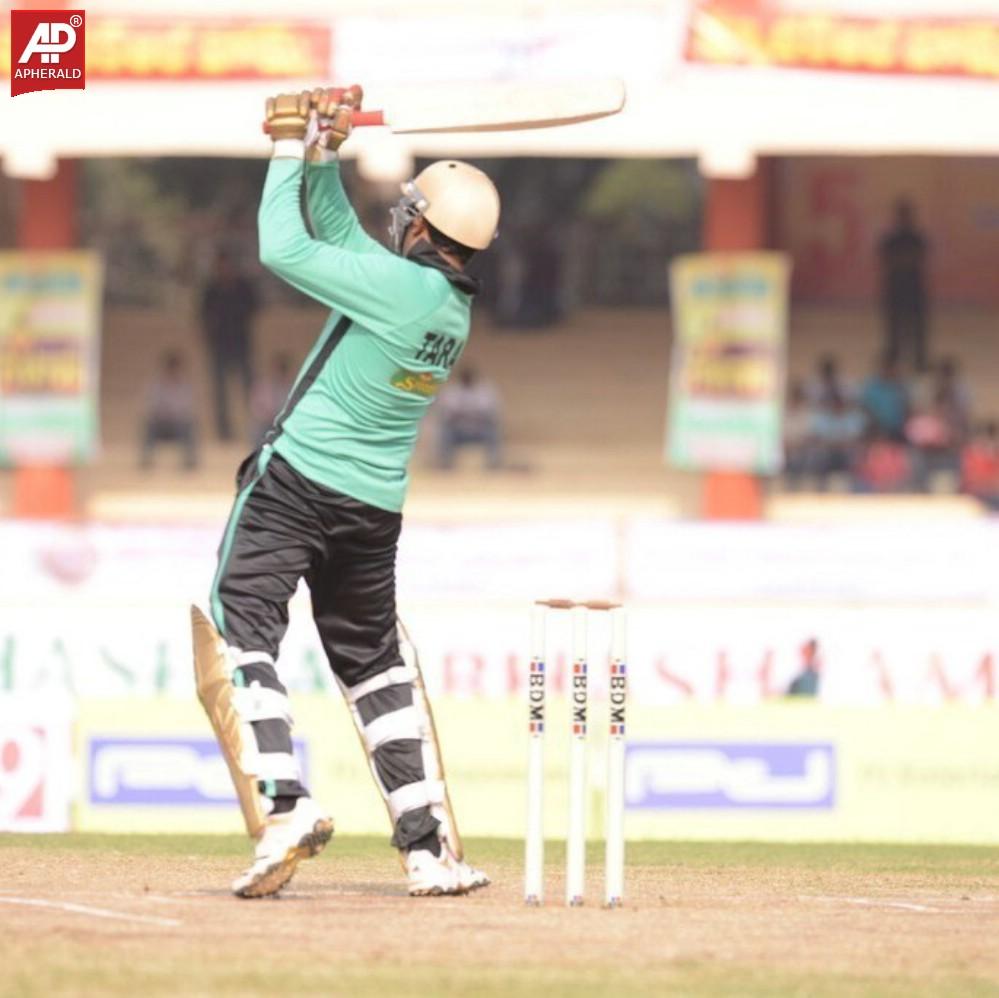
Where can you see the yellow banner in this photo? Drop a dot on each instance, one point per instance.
(783, 771)
(726, 376)
(49, 342)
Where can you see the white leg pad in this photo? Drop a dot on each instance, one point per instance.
(404, 723)
(414, 722)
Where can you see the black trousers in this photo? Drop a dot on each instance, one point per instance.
(906, 333)
(283, 528)
(226, 358)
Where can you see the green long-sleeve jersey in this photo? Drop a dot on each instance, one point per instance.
(354, 428)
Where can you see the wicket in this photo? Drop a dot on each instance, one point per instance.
(614, 820)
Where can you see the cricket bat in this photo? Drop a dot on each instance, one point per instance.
(496, 107)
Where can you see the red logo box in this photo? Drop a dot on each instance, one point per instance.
(47, 50)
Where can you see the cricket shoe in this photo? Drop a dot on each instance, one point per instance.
(288, 838)
(433, 876)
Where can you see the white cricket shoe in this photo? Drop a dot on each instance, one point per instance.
(432, 876)
(287, 840)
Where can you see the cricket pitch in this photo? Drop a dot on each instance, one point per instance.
(152, 915)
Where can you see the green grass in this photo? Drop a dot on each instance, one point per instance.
(944, 860)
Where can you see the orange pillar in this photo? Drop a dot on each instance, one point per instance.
(47, 221)
(736, 218)
(48, 216)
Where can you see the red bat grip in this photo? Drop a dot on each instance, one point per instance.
(360, 119)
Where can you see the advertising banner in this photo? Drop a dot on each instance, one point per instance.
(779, 771)
(156, 767)
(726, 376)
(49, 342)
(632, 44)
(35, 764)
(200, 48)
(781, 33)
(718, 613)
(804, 772)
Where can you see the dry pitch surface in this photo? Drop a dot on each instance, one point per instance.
(109, 915)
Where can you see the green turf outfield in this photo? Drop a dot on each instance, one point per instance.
(150, 915)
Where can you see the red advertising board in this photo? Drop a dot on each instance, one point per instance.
(186, 48)
(784, 35)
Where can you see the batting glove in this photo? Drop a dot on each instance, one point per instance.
(332, 122)
(287, 115)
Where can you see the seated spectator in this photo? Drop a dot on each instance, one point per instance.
(268, 395)
(937, 431)
(884, 465)
(469, 414)
(837, 429)
(828, 385)
(952, 391)
(170, 413)
(980, 465)
(886, 401)
(806, 682)
(799, 456)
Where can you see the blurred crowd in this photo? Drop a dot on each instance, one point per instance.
(889, 433)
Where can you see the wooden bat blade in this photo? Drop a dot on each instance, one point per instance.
(504, 107)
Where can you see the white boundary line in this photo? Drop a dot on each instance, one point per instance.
(82, 909)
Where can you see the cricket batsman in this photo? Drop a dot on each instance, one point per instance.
(321, 498)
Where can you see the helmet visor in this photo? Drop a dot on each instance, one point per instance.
(410, 206)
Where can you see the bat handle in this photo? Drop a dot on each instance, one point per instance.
(361, 119)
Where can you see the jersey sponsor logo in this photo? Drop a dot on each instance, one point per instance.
(439, 349)
(673, 776)
(416, 383)
(153, 771)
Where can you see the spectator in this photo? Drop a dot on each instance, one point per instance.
(806, 682)
(952, 392)
(828, 386)
(980, 465)
(170, 414)
(799, 416)
(268, 396)
(837, 429)
(228, 305)
(884, 465)
(469, 413)
(939, 429)
(902, 252)
(886, 401)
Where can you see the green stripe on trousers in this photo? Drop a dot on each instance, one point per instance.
(218, 614)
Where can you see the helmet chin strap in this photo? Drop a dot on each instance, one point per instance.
(421, 245)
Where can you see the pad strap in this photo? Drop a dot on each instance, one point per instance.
(274, 766)
(259, 703)
(413, 795)
(403, 723)
(398, 675)
(252, 657)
